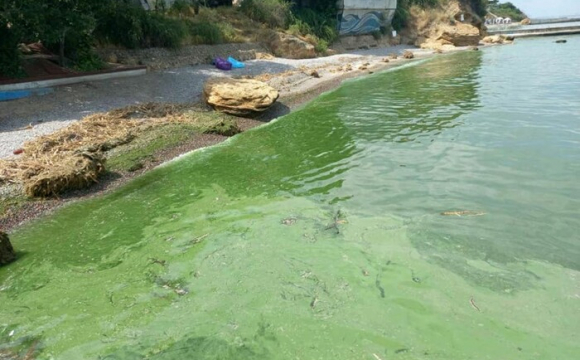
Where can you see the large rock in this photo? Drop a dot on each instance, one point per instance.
(241, 97)
(460, 35)
(494, 39)
(291, 47)
(7, 254)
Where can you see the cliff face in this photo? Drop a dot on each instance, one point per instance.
(448, 25)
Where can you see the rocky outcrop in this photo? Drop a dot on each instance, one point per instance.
(444, 27)
(7, 254)
(526, 21)
(240, 97)
(460, 35)
(291, 47)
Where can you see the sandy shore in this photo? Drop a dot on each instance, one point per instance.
(293, 78)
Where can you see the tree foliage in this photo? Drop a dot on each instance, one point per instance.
(506, 9)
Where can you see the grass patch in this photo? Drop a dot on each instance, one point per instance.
(134, 156)
(10, 205)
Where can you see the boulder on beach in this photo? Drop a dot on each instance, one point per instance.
(291, 47)
(460, 35)
(526, 21)
(7, 254)
(408, 55)
(240, 97)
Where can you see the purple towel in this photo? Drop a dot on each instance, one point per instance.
(222, 64)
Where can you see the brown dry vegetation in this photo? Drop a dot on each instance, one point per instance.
(75, 156)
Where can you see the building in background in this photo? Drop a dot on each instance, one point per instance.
(357, 17)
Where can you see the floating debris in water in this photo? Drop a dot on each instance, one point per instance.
(157, 261)
(463, 213)
(180, 291)
(377, 357)
(337, 219)
(473, 305)
(314, 302)
(401, 351)
(197, 240)
(378, 286)
(289, 221)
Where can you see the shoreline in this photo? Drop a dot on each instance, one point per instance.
(293, 96)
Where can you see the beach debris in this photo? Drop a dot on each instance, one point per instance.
(197, 240)
(157, 261)
(27, 127)
(180, 291)
(473, 305)
(365, 272)
(362, 67)
(222, 64)
(289, 221)
(386, 60)
(401, 351)
(348, 67)
(380, 287)
(463, 213)
(377, 357)
(235, 63)
(337, 219)
(18, 151)
(438, 51)
(415, 278)
(473, 48)
(314, 302)
(408, 55)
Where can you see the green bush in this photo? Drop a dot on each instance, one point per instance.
(160, 31)
(322, 24)
(133, 27)
(9, 56)
(121, 24)
(321, 46)
(206, 32)
(275, 13)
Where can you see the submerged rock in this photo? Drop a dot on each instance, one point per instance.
(561, 41)
(7, 254)
(241, 97)
(494, 39)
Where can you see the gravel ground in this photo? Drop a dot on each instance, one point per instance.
(51, 112)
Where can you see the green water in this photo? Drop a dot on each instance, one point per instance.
(320, 236)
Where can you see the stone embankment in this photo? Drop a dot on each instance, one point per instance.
(161, 58)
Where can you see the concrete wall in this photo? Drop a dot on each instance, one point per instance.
(358, 17)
